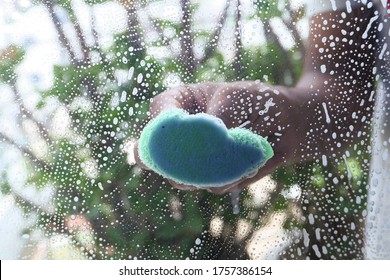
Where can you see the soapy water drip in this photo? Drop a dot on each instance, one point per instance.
(326, 112)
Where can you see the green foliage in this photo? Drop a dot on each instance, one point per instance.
(281, 203)
(5, 188)
(68, 80)
(268, 62)
(267, 9)
(10, 57)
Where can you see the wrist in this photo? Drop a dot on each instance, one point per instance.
(331, 117)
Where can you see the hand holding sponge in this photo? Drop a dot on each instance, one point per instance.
(199, 150)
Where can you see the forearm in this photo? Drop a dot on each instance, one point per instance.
(336, 91)
(333, 117)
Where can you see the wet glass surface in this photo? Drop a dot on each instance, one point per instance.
(76, 82)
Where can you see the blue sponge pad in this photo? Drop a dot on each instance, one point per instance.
(199, 150)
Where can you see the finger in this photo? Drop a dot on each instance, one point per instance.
(191, 98)
(227, 188)
(182, 187)
(239, 185)
(137, 158)
(254, 105)
(267, 169)
(165, 101)
(230, 104)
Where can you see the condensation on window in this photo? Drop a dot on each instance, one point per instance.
(77, 78)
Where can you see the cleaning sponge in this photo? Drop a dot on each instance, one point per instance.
(199, 150)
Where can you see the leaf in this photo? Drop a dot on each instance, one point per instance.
(281, 203)
(267, 9)
(10, 57)
(41, 103)
(5, 188)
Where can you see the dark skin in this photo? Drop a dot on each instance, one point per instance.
(322, 115)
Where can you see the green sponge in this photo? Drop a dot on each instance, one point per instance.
(199, 150)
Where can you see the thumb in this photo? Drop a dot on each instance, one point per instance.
(137, 158)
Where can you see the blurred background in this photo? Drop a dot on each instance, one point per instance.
(76, 78)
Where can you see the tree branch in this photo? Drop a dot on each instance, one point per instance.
(273, 38)
(165, 41)
(25, 151)
(133, 24)
(95, 36)
(186, 39)
(214, 38)
(291, 25)
(24, 202)
(61, 34)
(81, 38)
(41, 128)
(238, 42)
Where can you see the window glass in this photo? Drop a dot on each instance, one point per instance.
(77, 78)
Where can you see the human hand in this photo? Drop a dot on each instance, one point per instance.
(322, 115)
(263, 109)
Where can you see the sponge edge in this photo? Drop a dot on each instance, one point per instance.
(199, 150)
